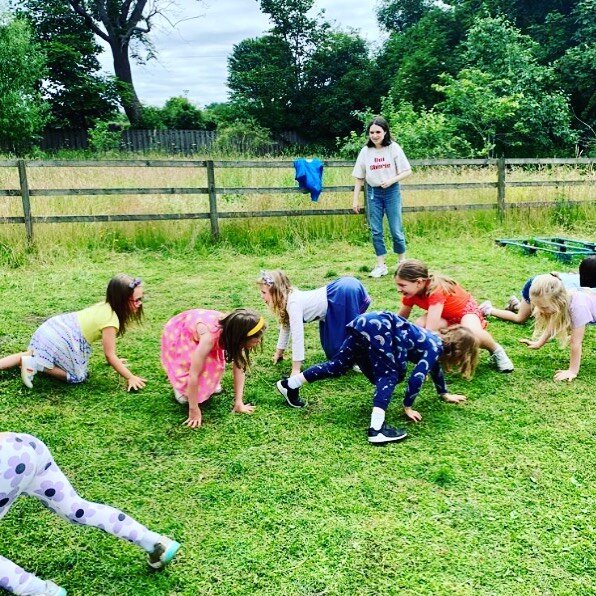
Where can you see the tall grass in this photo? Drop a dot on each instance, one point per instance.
(272, 234)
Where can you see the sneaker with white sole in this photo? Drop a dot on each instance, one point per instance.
(27, 370)
(49, 589)
(180, 397)
(501, 360)
(292, 395)
(486, 307)
(513, 304)
(163, 552)
(379, 271)
(386, 434)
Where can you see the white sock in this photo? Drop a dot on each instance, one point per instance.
(377, 418)
(498, 348)
(296, 381)
(149, 540)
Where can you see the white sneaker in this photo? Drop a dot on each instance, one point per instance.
(164, 551)
(486, 307)
(379, 271)
(513, 304)
(49, 589)
(27, 370)
(502, 361)
(180, 398)
(356, 369)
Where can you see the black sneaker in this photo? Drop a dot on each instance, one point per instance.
(292, 395)
(386, 434)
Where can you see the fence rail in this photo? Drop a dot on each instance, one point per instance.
(213, 191)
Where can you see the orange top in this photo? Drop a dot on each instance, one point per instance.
(453, 304)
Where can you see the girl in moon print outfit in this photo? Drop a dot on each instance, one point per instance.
(382, 344)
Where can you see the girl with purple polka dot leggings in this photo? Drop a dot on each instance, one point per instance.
(27, 467)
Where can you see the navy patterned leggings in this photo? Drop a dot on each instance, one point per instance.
(27, 467)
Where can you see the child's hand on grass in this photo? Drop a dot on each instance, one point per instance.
(565, 375)
(453, 398)
(135, 383)
(533, 345)
(413, 414)
(243, 408)
(195, 418)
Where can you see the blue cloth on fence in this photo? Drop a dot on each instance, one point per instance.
(309, 175)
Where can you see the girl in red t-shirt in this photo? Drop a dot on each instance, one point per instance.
(446, 303)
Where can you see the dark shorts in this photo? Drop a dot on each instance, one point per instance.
(526, 290)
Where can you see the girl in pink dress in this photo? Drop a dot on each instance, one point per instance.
(195, 346)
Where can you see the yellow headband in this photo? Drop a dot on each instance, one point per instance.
(257, 327)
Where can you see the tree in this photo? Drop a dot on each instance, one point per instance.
(301, 33)
(302, 75)
(412, 61)
(261, 77)
(399, 15)
(341, 80)
(180, 114)
(503, 99)
(77, 93)
(23, 112)
(220, 114)
(123, 25)
(577, 72)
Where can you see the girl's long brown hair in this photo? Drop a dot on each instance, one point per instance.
(413, 270)
(118, 294)
(235, 327)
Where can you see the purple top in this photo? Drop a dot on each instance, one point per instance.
(582, 308)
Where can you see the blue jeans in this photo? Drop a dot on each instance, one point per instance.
(381, 201)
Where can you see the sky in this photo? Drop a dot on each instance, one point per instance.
(192, 56)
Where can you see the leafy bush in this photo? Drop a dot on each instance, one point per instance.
(244, 136)
(105, 137)
(423, 134)
(23, 112)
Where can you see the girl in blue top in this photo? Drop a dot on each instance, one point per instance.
(382, 344)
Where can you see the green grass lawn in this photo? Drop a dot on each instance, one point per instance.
(493, 497)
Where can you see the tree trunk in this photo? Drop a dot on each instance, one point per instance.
(128, 96)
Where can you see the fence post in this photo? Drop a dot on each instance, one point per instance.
(501, 187)
(212, 200)
(25, 199)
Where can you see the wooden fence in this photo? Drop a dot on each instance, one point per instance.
(184, 142)
(214, 215)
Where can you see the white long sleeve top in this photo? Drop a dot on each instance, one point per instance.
(302, 307)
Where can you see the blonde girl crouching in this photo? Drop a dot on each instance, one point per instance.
(563, 315)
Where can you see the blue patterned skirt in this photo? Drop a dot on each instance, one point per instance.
(60, 342)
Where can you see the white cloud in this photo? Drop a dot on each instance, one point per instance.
(192, 58)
